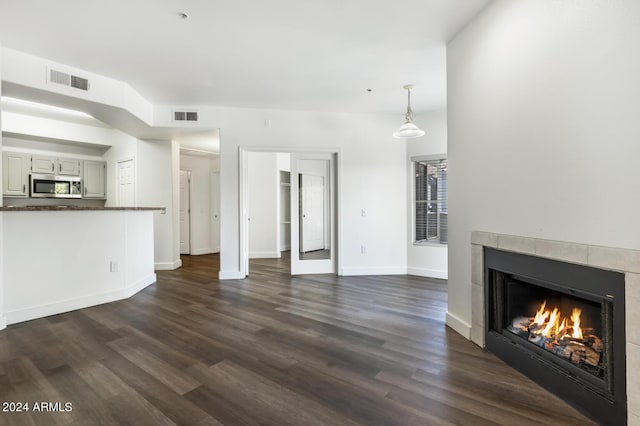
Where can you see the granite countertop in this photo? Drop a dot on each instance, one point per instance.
(75, 208)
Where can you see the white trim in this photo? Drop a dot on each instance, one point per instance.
(196, 252)
(264, 255)
(77, 303)
(374, 270)
(429, 273)
(167, 266)
(431, 157)
(3, 322)
(230, 275)
(458, 325)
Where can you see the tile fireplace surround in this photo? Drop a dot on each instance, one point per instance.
(614, 259)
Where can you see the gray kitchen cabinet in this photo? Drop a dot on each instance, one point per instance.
(15, 174)
(94, 179)
(69, 167)
(44, 164)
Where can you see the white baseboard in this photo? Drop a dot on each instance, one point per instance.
(132, 289)
(429, 273)
(285, 248)
(62, 306)
(264, 255)
(230, 275)
(216, 250)
(374, 270)
(167, 266)
(458, 325)
(3, 322)
(197, 252)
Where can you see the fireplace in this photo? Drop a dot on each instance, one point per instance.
(562, 324)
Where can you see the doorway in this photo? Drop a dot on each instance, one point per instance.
(185, 212)
(289, 207)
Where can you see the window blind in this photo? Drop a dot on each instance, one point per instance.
(431, 203)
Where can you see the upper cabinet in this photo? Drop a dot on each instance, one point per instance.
(69, 166)
(94, 179)
(43, 164)
(56, 166)
(15, 174)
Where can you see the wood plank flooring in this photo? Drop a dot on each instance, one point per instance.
(270, 349)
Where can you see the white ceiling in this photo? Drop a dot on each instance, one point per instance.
(317, 55)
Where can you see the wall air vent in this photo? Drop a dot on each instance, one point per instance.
(66, 79)
(79, 83)
(185, 115)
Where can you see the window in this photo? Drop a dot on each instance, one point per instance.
(431, 204)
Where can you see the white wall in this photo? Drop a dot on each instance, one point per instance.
(62, 262)
(154, 182)
(543, 129)
(262, 199)
(201, 193)
(284, 161)
(371, 164)
(425, 260)
(123, 147)
(372, 176)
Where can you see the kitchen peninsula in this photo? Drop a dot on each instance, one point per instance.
(61, 258)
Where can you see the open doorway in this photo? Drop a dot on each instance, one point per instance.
(185, 211)
(289, 210)
(199, 165)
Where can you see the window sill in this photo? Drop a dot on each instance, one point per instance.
(429, 244)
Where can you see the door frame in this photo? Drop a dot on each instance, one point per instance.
(243, 162)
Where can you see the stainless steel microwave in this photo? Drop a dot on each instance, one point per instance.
(52, 186)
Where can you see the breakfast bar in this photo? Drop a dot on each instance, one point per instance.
(62, 258)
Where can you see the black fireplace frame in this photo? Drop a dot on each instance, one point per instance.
(606, 402)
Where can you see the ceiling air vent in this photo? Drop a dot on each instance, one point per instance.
(66, 79)
(185, 115)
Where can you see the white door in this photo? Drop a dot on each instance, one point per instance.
(185, 212)
(126, 184)
(311, 212)
(215, 212)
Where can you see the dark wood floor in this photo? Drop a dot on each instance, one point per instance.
(270, 349)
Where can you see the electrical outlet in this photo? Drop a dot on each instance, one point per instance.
(363, 250)
(363, 213)
(113, 266)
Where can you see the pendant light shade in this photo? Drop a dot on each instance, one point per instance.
(408, 129)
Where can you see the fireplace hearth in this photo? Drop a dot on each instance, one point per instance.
(561, 324)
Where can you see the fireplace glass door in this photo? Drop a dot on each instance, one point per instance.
(564, 325)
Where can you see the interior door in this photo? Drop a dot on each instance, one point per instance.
(126, 184)
(311, 212)
(185, 213)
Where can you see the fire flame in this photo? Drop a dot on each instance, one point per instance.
(551, 324)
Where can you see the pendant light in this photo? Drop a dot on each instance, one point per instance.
(408, 129)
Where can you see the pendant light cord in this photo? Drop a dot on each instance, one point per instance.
(409, 114)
